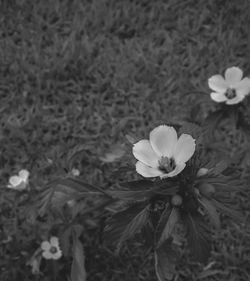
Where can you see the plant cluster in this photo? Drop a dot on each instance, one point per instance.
(185, 187)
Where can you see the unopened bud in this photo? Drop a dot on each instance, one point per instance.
(202, 172)
(207, 189)
(176, 200)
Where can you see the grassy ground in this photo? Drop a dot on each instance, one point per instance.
(84, 73)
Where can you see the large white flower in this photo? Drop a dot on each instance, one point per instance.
(20, 181)
(51, 249)
(163, 155)
(232, 89)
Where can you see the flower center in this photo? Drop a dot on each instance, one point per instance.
(53, 250)
(167, 164)
(230, 93)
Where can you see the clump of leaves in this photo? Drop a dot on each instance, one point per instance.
(172, 211)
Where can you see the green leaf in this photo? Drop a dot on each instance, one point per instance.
(78, 272)
(165, 260)
(125, 224)
(211, 211)
(228, 209)
(167, 222)
(198, 237)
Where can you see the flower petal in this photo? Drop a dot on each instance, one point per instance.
(24, 174)
(235, 100)
(243, 87)
(47, 255)
(179, 167)
(217, 83)
(163, 140)
(184, 150)
(233, 75)
(57, 255)
(54, 241)
(14, 181)
(143, 151)
(218, 97)
(146, 171)
(45, 245)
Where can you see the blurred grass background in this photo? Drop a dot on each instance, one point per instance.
(79, 75)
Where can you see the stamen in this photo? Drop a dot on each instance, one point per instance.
(230, 93)
(53, 250)
(167, 164)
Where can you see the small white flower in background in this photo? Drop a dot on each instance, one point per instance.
(51, 249)
(163, 155)
(232, 89)
(75, 172)
(20, 181)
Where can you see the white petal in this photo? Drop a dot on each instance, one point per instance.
(144, 152)
(54, 241)
(146, 171)
(233, 75)
(243, 87)
(235, 100)
(218, 97)
(57, 255)
(24, 174)
(163, 140)
(185, 148)
(217, 83)
(45, 245)
(179, 167)
(14, 181)
(47, 255)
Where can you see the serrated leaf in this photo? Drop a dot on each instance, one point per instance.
(78, 272)
(228, 209)
(211, 211)
(167, 222)
(165, 260)
(125, 224)
(198, 237)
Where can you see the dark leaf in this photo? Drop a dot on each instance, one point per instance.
(198, 237)
(229, 210)
(80, 186)
(127, 223)
(220, 167)
(78, 272)
(167, 222)
(138, 185)
(165, 260)
(211, 123)
(211, 211)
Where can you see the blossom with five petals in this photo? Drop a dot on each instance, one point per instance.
(232, 89)
(20, 181)
(163, 155)
(51, 249)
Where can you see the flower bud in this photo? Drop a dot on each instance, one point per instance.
(207, 189)
(202, 172)
(176, 200)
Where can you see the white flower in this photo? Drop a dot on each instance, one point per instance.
(230, 90)
(75, 172)
(20, 181)
(163, 155)
(51, 249)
